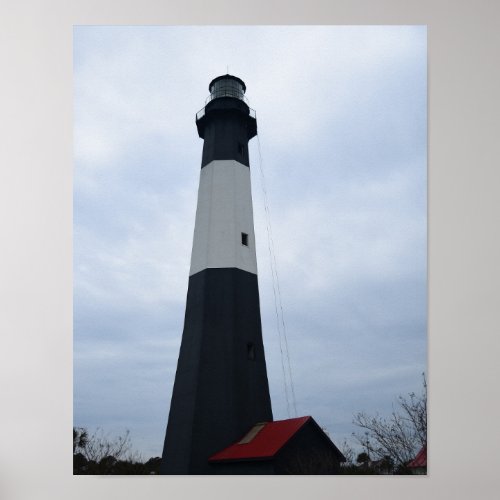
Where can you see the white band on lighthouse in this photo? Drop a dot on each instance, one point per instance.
(223, 217)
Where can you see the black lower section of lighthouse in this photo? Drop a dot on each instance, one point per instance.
(221, 388)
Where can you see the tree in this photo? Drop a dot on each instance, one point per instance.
(80, 439)
(348, 453)
(100, 454)
(99, 446)
(352, 465)
(399, 437)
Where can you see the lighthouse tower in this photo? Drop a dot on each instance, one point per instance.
(221, 388)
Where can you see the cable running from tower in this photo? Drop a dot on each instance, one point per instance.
(278, 304)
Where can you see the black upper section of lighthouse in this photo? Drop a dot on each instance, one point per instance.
(226, 123)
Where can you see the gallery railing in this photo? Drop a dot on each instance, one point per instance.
(211, 97)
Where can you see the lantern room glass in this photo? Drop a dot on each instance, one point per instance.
(227, 87)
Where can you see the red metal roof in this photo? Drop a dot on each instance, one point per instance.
(421, 459)
(265, 444)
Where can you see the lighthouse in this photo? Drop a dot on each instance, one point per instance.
(221, 388)
(220, 419)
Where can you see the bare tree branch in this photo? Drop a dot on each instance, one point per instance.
(100, 446)
(399, 436)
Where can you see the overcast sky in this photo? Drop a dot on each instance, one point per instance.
(342, 123)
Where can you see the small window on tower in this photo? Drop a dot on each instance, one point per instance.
(250, 351)
(244, 239)
(241, 148)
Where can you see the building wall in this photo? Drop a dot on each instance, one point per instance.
(308, 452)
